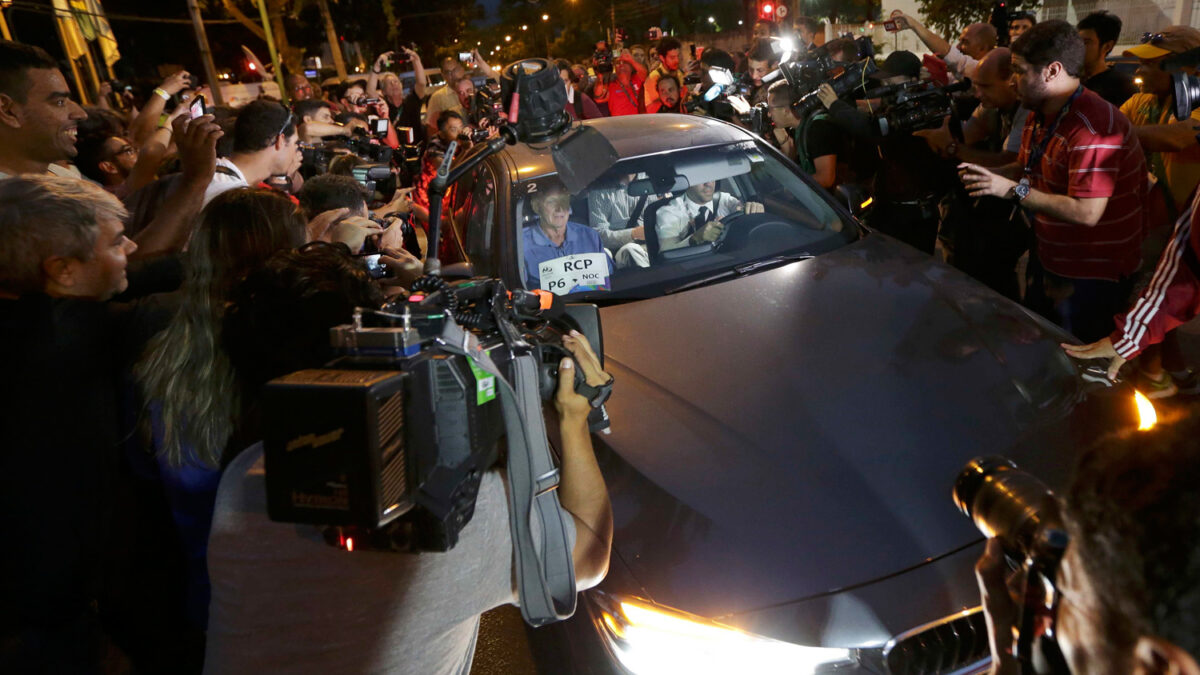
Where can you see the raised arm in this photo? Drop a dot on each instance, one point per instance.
(420, 80)
(936, 43)
(373, 76)
(146, 122)
(482, 64)
(170, 229)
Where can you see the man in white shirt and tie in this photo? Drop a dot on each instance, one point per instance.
(696, 216)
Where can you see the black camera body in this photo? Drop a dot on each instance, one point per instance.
(602, 61)
(487, 108)
(912, 106)
(388, 442)
(813, 69)
(853, 78)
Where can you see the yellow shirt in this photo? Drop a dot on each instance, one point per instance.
(1180, 170)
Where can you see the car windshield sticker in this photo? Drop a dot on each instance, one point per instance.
(575, 273)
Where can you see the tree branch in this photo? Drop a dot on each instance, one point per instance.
(244, 20)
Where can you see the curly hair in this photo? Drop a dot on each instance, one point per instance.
(1133, 513)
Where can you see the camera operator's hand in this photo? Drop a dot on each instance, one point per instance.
(197, 143)
(570, 404)
(382, 61)
(901, 20)
(1102, 349)
(401, 203)
(1000, 609)
(983, 183)
(177, 82)
(405, 267)
(353, 232)
(827, 95)
(317, 228)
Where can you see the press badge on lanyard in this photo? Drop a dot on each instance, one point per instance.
(575, 273)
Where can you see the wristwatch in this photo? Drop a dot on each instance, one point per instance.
(1020, 191)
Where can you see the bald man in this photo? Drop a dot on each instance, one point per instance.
(961, 59)
(986, 237)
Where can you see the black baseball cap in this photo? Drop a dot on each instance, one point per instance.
(899, 63)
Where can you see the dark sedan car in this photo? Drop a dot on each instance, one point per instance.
(795, 396)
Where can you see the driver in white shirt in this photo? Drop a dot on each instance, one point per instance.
(697, 216)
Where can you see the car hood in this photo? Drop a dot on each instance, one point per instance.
(798, 431)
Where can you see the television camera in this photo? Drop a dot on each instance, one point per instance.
(912, 106)
(385, 446)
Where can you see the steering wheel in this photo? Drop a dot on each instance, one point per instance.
(728, 222)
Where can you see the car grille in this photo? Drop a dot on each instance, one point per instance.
(956, 644)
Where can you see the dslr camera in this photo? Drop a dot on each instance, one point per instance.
(1015, 507)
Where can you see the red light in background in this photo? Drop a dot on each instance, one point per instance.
(349, 543)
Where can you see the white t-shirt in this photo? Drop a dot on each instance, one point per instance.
(675, 219)
(222, 181)
(284, 601)
(959, 64)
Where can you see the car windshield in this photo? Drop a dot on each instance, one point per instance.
(669, 222)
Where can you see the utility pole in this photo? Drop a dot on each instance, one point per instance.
(270, 35)
(210, 71)
(612, 17)
(335, 45)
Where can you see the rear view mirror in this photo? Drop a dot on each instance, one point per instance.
(658, 185)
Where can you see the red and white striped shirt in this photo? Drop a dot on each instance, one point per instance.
(1173, 296)
(1093, 153)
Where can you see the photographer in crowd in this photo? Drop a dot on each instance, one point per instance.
(579, 105)
(1081, 173)
(985, 236)
(386, 612)
(315, 122)
(761, 60)
(1100, 32)
(1127, 589)
(961, 59)
(404, 109)
(1019, 22)
(622, 88)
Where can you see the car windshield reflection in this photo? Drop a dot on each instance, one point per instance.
(655, 224)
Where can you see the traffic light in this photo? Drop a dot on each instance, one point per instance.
(766, 10)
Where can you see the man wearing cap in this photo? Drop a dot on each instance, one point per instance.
(961, 59)
(1172, 151)
(1081, 173)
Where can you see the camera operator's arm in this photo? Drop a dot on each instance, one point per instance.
(582, 491)
(936, 43)
(483, 66)
(1174, 137)
(420, 80)
(1081, 210)
(313, 129)
(401, 203)
(372, 90)
(171, 227)
(999, 609)
(150, 156)
(146, 122)
(639, 71)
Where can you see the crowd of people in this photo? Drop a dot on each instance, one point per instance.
(161, 261)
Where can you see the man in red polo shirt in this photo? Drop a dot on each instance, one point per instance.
(1082, 175)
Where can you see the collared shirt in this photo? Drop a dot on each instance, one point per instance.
(223, 181)
(539, 248)
(1093, 153)
(676, 220)
(609, 211)
(959, 64)
(442, 99)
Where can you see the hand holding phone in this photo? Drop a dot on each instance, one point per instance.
(197, 109)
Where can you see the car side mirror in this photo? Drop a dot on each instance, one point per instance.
(855, 199)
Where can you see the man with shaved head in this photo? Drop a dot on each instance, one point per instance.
(961, 59)
(986, 237)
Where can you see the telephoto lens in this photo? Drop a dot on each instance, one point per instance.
(1010, 504)
(1187, 94)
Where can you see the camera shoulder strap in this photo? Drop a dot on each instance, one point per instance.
(545, 577)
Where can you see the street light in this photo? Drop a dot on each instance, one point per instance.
(524, 27)
(711, 20)
(508, 38)
(545, 17)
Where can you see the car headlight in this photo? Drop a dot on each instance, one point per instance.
(649, 638)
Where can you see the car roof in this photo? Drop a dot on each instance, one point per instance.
(636, 136)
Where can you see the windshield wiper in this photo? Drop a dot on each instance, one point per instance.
(741, 270)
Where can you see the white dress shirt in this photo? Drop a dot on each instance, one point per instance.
(676, 218)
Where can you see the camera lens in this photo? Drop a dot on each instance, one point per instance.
(1006, 503)
(1187, 94)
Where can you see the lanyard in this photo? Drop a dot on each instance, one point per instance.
(1039, 150)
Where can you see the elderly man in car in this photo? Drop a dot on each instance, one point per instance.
(696, 216)
(561, 255)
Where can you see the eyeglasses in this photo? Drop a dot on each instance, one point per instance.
(1153, 38)
(126, 149)
(286, 122)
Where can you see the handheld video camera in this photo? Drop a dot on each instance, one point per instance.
(388, 442)
(808, 72)
(1015, 507)
(912, 106)
(853, 78)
